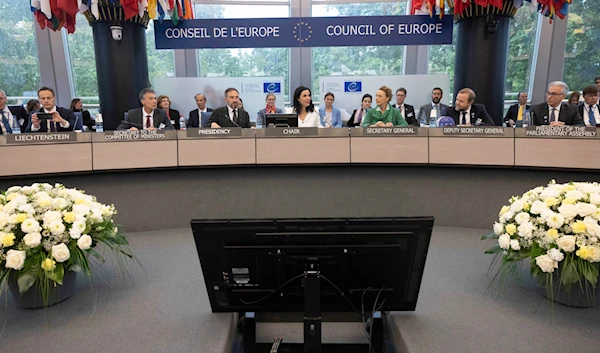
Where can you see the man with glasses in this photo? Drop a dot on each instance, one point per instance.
(589, 109)
(13, 120)
(554, 112)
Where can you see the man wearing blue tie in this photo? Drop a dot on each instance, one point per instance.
(589, 109)
(61, 119)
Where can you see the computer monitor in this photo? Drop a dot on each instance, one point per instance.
(258, 265)
(281, 120)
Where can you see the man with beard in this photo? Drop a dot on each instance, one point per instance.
(230, 115)
(435, 109)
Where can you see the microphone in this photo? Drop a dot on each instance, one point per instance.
(132, 124)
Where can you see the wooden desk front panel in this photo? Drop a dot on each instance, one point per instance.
(389, 150)
(472, 151)
(557, 153)
(45, 159)
(317, 150)
(132, 155)
(207, 152)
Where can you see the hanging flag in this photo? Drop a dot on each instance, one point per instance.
(188, 10)
(45, 8)
(130, 8)
(175, 13)
(483, 3)
(461, 5)
(70, 7)
(83, 5)
(95, 9)
(152, 8)
(142, 7)
(163, 8)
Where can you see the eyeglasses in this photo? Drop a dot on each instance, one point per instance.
(554, 94)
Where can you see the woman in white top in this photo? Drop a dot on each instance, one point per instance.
(303, 106)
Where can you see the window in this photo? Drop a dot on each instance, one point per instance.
(83, 62)
(359, 61)
(582, 57)
(161, 63)
(441, 61)
(19, 65)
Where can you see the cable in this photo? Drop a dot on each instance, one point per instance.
(372, 314)
(272, 292)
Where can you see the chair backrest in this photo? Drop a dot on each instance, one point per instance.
(204, 119)
(125, 115)
(78, 121)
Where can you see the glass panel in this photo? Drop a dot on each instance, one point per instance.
(441, 61)
(19, 65)
(359, 61)
(161, 63)
(582, 56)
(83, 62)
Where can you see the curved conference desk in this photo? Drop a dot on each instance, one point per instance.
(161, 183)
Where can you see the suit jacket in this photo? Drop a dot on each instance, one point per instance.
(444, 110)
(409, 114)
(64, 113)
(87, 119)
(135, 116)
(478, 111)
(513, 112)
(19, 113)
(194, 120)
(261, 118)
(336, 117)
(174, 116)
(568, 114)
(221, 117)
(580, 108)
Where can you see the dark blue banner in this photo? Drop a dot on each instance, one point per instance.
(304, 32)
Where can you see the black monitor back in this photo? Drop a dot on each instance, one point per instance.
(246, 260)
(281, 120)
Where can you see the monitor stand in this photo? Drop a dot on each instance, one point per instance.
(380, 337)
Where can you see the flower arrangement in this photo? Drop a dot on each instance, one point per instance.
(555, 227)
(46, 230)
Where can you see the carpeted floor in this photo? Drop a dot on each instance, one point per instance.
(162, 307)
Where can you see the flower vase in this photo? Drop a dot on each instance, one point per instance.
(32, 298)
(578, 295)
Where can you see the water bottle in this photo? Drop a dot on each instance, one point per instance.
(422, 118)
(17, 128)
(433, 122)
(182, 124)
(527, 119)
(99, 123)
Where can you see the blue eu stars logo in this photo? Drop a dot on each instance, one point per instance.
(302, 32)
(272, 87)
(353, 86)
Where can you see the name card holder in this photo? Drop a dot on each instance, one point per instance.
(561, 132)
(46, 138)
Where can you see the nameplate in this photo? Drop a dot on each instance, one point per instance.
(208, 132)
(474, 130)
(391, 131)
(131, 135)
(55, 137)
(561, 131)
(292, 131)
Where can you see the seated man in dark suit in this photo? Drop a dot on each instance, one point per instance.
(62, 119)
(554, 112)
(589, 109)
(434, 109)
(517, 112)
(196, 114)
(147, 117)
(230, 115)
(407, 111)
(13, 120)
(466, 112)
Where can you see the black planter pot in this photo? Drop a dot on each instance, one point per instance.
(32, 299)
(579, 295)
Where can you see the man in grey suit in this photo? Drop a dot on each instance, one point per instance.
(147, 117)
(554, 112)
(435, 108)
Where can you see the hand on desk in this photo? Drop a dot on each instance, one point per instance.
(557, 123)
(382, 124)
(215, 126)
(133, 128)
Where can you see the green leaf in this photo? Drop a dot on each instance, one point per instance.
(57, 274)
(491, 235)
(494, 250)
(26, 280)
(95, 254)
(569, 274)
(591, 274)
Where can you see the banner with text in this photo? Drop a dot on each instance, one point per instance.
(304, 32)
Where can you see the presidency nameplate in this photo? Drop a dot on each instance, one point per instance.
(137, 135)
(474, 130)
(559, 131)
(291, 131)
(36, 138)
(386, 131)
(209, 132)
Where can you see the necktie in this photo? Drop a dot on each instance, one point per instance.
(520, 116)
(591, 116)
(148, 120)
(437, 111)
(463, 120)
(52, 126)
(235, 118)
(6, 124)
(553, 115)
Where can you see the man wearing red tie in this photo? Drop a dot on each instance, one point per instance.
(147, 117)
(61, 119)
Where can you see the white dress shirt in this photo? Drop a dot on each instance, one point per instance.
(312, 119)
(11, 120)
(145, 118)
(66, 124)
(200, 111)
(434, 113)
(237, 112)
(586, 114)
(401, 108)
(557, 112)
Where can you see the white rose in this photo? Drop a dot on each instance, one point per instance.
(60, 253)
(81, 209)
(30, 225)
(96, 216)
(585, 209)
(12, 219)
(56, 228)
(59, 203)
(32, 239)
(507, 216)
(526, 230)
(546, 263)
(591, 225)
(13, 189)
(51, 217)
(44, 201)
(568, 211)
(575, 195)
(595, 254)
(555, 220)
(549, 192)
(595, 199)
(498, 228)
(504, 241)
(15, 259)
(77, 228)
(3, 219)
(27, 190)
(586, 188)
(514, 244)
(27, 208)
(522, 218)
(85, 242)
(517, 206)
(566, 243)
(556, 255)
(538, 207)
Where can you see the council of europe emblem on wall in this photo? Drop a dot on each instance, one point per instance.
(352, 86)
(272, 87)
